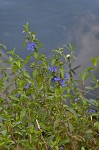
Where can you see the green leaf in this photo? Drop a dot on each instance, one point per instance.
(4, 132)
(56, 123)
(95, 60)
(84, 75)
(28, 57)
(82, 148)
(12, 52)
(2, 143)
(23, 113)
(64, 141)
(88, 131)
(26, 27)
(62, 72)
(3, 46)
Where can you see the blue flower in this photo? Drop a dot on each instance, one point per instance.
(27, 86)
(31, 46)
(66, 75)
(17, 95)
(92, 111)
(53, 69)
(55, 78)
(62, 82)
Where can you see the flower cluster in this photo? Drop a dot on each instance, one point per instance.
(58, 79)
(53, 69)
(31, 46)
(61, 81)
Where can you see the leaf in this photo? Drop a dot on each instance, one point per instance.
(88, 131)
(3, 46)
(64, 141)
(96, 124)
(72, 111)
(62, 72)
(84, 75)
(2, 143)
(78, 137)
(4, 132)
(89, 88)
(95, 60)
(56, 123)
(28, 57)
(26, 27)
(18, 148)
(18, 63)
(22, 114)
(82, 148)
(12, 52)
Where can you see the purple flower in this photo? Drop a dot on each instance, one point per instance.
(66, 76)
(17, 95)
(55, 78)
(92, 111)
(27, 86)
(53, 69)
(31, 46)
(62, 82)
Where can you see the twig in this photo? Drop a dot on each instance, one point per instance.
(38, 126)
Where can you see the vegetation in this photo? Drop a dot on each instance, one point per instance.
(45, 109)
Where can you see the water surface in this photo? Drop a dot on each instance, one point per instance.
(56, 22)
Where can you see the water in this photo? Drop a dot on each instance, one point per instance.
(55, 23)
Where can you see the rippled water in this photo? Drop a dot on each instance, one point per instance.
(56, 22)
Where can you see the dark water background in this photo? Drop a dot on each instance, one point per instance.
(55, 22)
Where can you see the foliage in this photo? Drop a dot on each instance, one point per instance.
(46, 109)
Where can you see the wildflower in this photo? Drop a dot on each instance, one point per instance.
(66, 76)
(62, 82)
(31, 46)
(27, 86)
(92, 111)
(55, 78)
(53, 69)
(17, 95)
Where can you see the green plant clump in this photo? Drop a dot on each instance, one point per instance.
(45, 109)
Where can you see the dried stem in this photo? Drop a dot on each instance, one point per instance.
(38, 126)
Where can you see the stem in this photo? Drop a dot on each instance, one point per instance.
(83, 88)
(42, 138)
